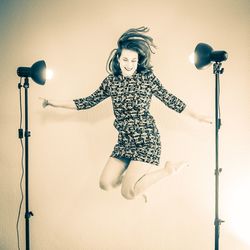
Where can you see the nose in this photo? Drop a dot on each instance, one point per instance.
(129, 64)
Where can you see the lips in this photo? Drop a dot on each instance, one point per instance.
(128, 69)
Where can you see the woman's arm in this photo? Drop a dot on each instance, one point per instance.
(200, 118)
(174, 102)
(170, 100)
(59, 104)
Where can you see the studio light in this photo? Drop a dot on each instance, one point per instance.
(204, 55)
(37, 72)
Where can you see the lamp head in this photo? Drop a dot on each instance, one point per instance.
(37, 72)
(204, 55)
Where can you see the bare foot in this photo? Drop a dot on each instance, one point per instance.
(145, 198)
(174, 167)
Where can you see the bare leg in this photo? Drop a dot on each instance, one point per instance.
(111, 175)
(138, 178)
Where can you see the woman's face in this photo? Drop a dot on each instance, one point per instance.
(128, 62)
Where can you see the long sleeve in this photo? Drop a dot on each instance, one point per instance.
(167, 98)
(99, 95)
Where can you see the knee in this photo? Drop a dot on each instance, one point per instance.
(105, 185)
(127, 192)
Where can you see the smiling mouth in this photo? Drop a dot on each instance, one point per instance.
(128, 69)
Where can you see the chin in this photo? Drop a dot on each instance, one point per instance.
(126, 73)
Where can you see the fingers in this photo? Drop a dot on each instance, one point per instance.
(45, 102)
(206, 119)
(209, 120)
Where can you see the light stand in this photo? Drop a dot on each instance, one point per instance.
(204, 55)
(217, 222)
(38, 73)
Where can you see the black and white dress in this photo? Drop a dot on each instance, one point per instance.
(138, 137)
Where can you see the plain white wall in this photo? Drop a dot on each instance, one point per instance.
(68, 149)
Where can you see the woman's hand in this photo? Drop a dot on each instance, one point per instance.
(203, 118)
(45, 102)
(198, 117)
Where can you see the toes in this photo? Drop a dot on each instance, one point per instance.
(172, 168)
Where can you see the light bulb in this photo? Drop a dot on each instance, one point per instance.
(191, 58)
(49, 74)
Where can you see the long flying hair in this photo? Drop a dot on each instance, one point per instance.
(135, 40)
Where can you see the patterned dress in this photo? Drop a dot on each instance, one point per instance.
(138, 136)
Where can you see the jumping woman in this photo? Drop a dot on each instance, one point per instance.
(131, 83)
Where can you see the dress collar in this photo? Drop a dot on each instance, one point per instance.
(134, 76)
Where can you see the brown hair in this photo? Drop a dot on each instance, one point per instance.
(132, 39)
